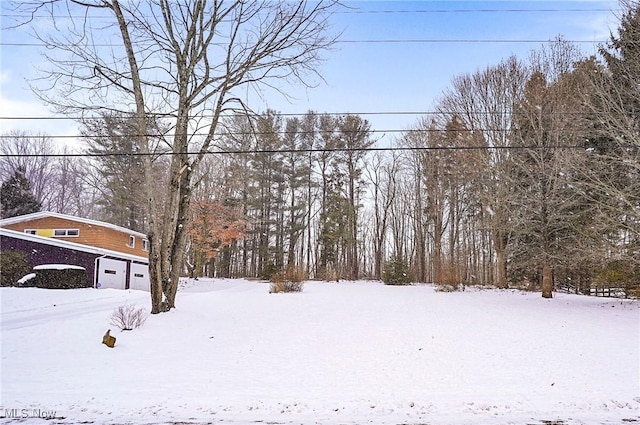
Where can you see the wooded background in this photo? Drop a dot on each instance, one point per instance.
(524, 173)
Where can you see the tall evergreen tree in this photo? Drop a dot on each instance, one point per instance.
(549, 216)
(117, 167)
(613, 180)
(17, 197)
(296, 173)
(354, 136)
(622, 57)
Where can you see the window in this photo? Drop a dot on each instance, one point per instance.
(31, 231)
(132, 241)
(66, 232)
(145, 245)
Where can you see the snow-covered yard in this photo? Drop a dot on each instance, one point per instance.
(346, 353)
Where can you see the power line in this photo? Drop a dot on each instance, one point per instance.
(316, 150)
(301, 114)
(391, 11)
(461, 41)
(375, 12)
(230, 115)
(484, 10)
(380, 41)
(276, 132)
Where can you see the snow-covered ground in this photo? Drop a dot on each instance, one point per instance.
(345, 353)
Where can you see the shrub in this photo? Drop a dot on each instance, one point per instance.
(396, 272)
(13, 265)
(127, 317)
(279, 287)
(59, 276)
(329, 273)
(619, 274)
(269, 270)
(446, 287)
(448, 280)
(290, 280)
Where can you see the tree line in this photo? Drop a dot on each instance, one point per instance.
(526, 174)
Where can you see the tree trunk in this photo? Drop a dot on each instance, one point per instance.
(547, 280)
(501, 260)
(437, 258)
(154, 275)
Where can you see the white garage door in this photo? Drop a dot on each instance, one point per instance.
(139, 278)
(111, 273)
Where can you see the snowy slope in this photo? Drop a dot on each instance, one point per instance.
(347, 353)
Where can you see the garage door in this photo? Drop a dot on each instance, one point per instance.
(139, 278)
(111, 273)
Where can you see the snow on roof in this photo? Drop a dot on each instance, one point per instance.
(47, 214)
(58, 267)
(71, 245)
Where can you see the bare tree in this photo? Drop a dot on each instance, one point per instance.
(56, 178)
(187, 62)
(484, 102)
(382, 174)
(73, 195)
(33, 153)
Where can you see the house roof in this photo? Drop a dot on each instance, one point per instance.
(70, 245)
(48, 214)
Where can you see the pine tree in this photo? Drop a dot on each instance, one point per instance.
(613, 180)
(622, 57)
(17, 197)
(117, 168)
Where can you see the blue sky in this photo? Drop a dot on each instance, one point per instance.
(363, 76)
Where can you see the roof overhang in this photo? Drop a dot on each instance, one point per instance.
(71, 245)
(48, 214)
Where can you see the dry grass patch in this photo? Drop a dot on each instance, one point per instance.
(289, 280)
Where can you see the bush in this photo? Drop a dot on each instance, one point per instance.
(290, 280)
(448, 281)
(13, 265)
(330, 274)
(396, 272)
(59, 276)
(446, 287)
(269, 270)
(619, 274)
(127, 317)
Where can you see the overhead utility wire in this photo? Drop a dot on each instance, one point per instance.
(372, 12)
(317, 150)
(282, 133)
(381, 41)
(461, 40)
(300, 114)
(421, 11)
(229, 115)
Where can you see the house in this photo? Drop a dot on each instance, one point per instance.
(114, 257)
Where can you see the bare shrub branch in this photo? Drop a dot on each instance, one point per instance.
(127, 317)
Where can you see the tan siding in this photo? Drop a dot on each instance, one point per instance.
(93, 235)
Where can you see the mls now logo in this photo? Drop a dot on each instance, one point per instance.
(28, 413)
